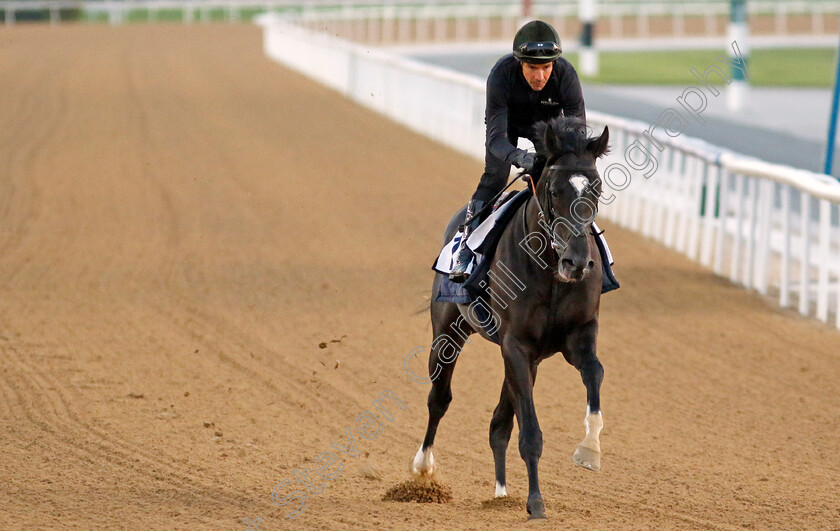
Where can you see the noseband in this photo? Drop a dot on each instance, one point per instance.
(550, 215)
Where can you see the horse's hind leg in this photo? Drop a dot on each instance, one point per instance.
(500, 430)
(450, 334)
(582, 355)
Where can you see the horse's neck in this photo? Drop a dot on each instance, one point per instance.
(519, 255)
(531, 225)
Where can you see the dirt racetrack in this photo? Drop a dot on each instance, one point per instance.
(184, 225)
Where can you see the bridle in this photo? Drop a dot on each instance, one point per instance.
(548, 217)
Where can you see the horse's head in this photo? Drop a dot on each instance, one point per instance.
(568, 191)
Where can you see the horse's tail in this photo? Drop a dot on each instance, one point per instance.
(424, 307)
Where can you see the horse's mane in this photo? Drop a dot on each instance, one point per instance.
(564, 134)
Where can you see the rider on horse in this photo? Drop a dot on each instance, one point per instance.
(531, 85)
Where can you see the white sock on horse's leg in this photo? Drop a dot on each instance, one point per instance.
(424, 462)
(501, 490)
(588, 453)
(594, 423)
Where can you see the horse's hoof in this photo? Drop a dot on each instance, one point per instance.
(423, 466)
(587, 458)
(424, 473)
(536, 509)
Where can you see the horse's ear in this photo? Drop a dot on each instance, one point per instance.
(599, 146)
(550, 141)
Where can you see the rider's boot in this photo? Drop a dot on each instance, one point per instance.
(609, 282)
(463, 256)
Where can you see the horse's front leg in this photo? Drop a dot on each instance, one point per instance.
(520, 383)
(500, 429)
(581, 354)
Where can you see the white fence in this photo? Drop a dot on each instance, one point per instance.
(770, 228)
(482, 21)
(444, 105)
(406, 21)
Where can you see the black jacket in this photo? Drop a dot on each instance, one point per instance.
(513, 107)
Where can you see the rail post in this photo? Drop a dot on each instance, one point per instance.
(588, 54)
(832, 121)
(736, 94)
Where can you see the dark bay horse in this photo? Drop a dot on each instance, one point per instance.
(545, 282)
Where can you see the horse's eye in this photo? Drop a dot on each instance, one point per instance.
(554, 193)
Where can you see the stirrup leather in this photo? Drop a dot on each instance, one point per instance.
(464, 256)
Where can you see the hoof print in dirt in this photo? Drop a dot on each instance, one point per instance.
(370, 472)
(504, 502)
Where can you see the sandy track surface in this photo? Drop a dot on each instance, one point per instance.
(184, 223)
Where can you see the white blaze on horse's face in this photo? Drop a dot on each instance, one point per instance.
(580, 183)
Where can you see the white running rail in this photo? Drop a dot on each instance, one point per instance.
(405, 21)
(771, 228)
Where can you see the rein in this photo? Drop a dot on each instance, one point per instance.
(492, 202)
(547, 218)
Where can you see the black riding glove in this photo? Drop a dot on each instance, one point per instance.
(524, 160)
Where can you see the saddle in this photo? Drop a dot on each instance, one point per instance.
(485, 236)
(483, 241)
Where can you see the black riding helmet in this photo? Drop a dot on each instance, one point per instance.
(536, 43)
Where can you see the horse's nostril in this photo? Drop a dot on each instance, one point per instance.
(567, 263)
(591, 264)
